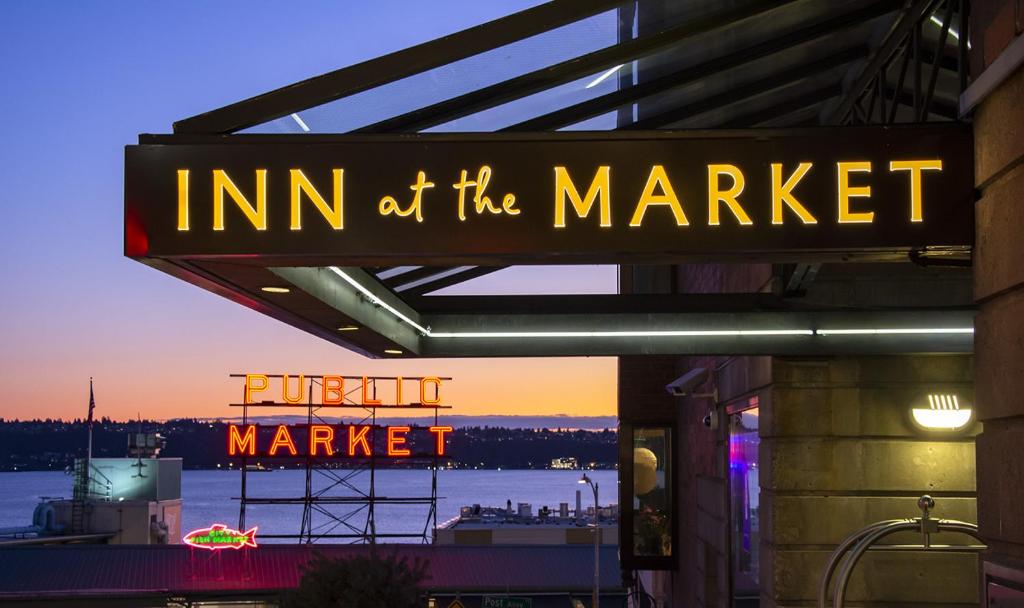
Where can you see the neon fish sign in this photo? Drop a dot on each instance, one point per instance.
(219, 536)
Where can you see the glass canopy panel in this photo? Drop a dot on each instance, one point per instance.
(457, 78)
(817, 63)
(685, 60)
(531, 106)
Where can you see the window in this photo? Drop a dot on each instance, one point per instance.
(744, 492)
(652, 492)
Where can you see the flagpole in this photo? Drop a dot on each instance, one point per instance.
(87, 473)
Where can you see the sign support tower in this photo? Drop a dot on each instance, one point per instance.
(339, 504)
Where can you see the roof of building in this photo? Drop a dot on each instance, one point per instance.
(112, 571)
(587, 65)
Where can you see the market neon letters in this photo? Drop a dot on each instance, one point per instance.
(322, 440)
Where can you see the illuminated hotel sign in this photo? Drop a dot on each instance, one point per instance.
(565, 196)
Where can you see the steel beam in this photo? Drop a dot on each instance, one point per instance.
(449, 280)
(389, 68)
(326, 286)
(566, 71)
(606, 103)
(805, 100)
(760, 86)
(904, 25)
(396, 281)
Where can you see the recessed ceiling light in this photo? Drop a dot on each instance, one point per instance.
(348, 328)
(392, 351)
(275, 289)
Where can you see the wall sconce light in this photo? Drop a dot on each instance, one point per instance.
(943, 414)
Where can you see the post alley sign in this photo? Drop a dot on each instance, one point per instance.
(570, 197)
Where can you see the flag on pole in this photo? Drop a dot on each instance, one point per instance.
(92, 400)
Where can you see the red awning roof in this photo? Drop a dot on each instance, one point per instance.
(174, 570)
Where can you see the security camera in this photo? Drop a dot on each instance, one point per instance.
(684, 385)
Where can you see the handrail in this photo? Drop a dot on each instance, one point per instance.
(862, 540)
(838, 554)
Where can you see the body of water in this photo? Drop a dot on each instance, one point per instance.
(208, 495)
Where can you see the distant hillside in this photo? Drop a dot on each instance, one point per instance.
(557, 421)
(485, 442)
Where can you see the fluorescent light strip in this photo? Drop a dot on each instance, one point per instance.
(623, 334)
(938, 22)
(604, 76)
(302, 123)
(895, 331)
(373, 298)
(647, 333)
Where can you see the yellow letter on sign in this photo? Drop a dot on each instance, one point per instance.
(783, 193)
(658, 179)
(716, 195)
(916, 167)
(257, 215)
(846, 192)
(334, 214)
(599, 187)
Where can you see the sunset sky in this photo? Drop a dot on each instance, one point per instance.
(80, 82)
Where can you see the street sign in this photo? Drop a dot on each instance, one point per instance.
(500, 601)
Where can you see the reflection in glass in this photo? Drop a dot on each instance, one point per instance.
(745, 490)
(652, 513)
(458, 78)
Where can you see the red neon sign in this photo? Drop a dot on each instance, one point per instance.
(334, 390)
(219, 536)
(325, 440)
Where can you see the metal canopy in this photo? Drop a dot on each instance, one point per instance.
(779, 63)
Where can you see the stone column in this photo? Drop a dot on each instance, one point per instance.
(838, 452)
(999, 292)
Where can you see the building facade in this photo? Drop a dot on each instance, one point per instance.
(745, 461)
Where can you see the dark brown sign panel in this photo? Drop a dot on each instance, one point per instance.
(553, 196)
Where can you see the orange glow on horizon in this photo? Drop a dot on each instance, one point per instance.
(220, 344)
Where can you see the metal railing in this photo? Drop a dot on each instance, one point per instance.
(904, 71)
(852, 549)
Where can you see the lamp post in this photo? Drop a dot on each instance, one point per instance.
(597, 540)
